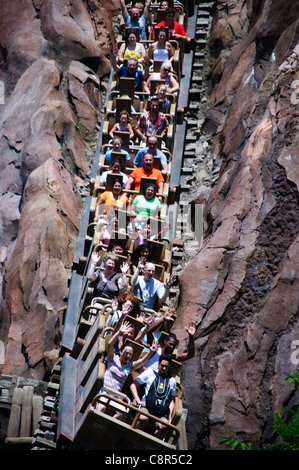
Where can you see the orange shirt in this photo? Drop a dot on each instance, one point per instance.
(119, 204)
(139, 173)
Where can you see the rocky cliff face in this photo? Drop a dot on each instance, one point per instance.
(242, 287)
(53, 55)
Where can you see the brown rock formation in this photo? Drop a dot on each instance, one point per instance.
(242, 287)
(53, 55)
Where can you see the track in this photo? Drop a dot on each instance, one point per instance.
(57, 426)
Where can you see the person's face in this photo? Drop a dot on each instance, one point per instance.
(165, 72)
(150, 192)
(154, 107)
(116, 167)
(148, 162)
(169, 345)
(132, 66)
(162, 36)
(118, 250)
(163, 367)
(169, 19)
(123, 119)
(117, 188)
(162, 93)
(132, 38)
(149, 271)
(130, 332)
(127, 307)
(110, 264)
(127, 353)
(144, 252)
(152, 145)
(164, 5)
(135, 14)
(117, 145)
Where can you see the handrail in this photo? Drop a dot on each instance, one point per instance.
(173, 430)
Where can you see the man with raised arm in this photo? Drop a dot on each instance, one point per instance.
(134, 20)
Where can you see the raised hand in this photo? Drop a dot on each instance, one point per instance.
(95, 257)
(190, 329)
(124, 267)
(170, 280)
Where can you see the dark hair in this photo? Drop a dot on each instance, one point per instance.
(129, 296)
(165, 357)
(117, 180)
(148, 185)
(127, 343)
(137, 252)
(116, 160)
(171, 336)
(170, 11)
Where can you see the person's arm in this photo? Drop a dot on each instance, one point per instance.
(122, 281)
(130, 183)
(160, 187)
(92, 275)
(147, 84)
(167, 286)
(190, 347)
(146, 63)
(140, 135)
(134, 390)
(111, 133)
(171, 406)
(150, 52)
(154, 324)
(134, 278)
(174, 86)
(120, 55)
(122, 328)
(142, 360)
(100, 201)
(115, 66)
(124, 10)
(164, 168)
(131, 132)
(170, 51)
(146, 10)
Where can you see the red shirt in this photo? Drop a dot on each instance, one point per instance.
(175, 28)
(139, 173)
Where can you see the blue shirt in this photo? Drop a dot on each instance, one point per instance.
(141, 24)
(138, 160)
(123, 72)
(108, 155)
(148, 291)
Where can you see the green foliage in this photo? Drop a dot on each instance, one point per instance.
(289, 432)
(234, 444)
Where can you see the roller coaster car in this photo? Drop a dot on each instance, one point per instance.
(99, 431)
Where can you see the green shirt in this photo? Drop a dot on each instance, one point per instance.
(146, 208)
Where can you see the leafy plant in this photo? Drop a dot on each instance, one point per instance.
(234, 444)
(289, 432)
